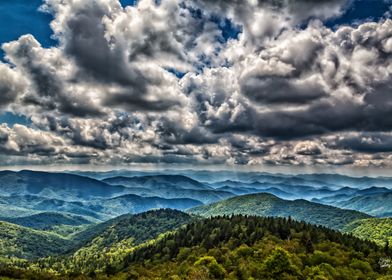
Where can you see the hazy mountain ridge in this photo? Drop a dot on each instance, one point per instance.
(30, 192)
(48, 220)
(169, 186)
(269, 205)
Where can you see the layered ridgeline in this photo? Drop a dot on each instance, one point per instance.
(115, 193)
(170, 186)
(68, 224)
(26, 193)
(270, 205)
(235, 247)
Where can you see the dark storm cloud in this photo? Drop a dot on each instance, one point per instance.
(368, 142)
(133, 101)
(378, 108)
(173, 133)
(275, 89)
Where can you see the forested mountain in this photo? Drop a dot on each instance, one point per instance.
(236, 247)
(378, 230)
(241, 247)
(140, 227)
(125, 231)
(66, 225)
(108, 243)
(269, 205)
(26, 243)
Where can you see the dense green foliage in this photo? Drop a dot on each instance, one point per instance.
(269, 205)
(26, 243)
(241, 247)
(228, 247)
(106, 244)
(114, 235)
(377, 230)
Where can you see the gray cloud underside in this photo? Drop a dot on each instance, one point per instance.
(279, 94)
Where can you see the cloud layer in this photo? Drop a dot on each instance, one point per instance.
(165, 83)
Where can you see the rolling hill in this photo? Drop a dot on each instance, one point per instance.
(153, 180)
(251, 247)
(60, 186)
(269, 205)
(134, 204)
(94, 209)
(111, 241)
(379, 205)
(26, 243)
(378, 230)
(49, 220)
(170, 186)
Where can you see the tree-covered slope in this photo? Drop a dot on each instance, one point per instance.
(241, 247)
(270, 205)
(235, 247)
(26, 243)
(139, 227)
(378, 230)
(107, 243)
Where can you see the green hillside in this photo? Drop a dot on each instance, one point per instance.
(270, 205)
(378, 230)
(107, 243)
(241, 247)
(26, 243)
(235, 247)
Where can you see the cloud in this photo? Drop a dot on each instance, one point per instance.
(287, 90)
(12, 85)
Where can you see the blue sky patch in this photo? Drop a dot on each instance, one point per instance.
(20, 17)
(228, 28)
(125, 3)
(361, 11)
(176, 72)
(11, 119)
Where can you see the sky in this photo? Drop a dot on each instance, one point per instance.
(237, 83)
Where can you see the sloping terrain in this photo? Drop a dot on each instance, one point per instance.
(270, 205)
